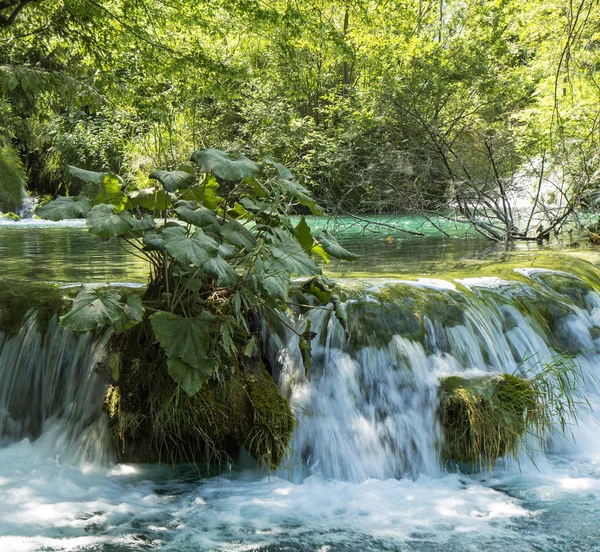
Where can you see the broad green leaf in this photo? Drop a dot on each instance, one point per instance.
(282, 171)
(251, 348)
(191, 378)
(195, 249)
(91, 176)
(258, 207)
(153, 241)
(147, 222)
(272, 279)
(236, 234)
(303, 235)
(152, 199)
(322, 295)
(219, 269)
(239, 211)
(65, 208)
(131, 315)
(291, 187)
(227, 251)
(108, 190)
(104, 222)
(259, 189)
(173, 180)
(333, 248)
(210, 199)
(318, 250)
(94, 307)
(184, 338)
(223, 165)
(290, 255)
(198, 217)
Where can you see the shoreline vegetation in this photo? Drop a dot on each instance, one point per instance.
(487, 109)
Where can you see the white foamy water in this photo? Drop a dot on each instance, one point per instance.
(363, 471)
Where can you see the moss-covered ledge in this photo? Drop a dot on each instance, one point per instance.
(18, 298)
(153, 420)
(484, 418)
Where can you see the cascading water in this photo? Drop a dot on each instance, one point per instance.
(369, 406)
(50, 390)
(363, 471)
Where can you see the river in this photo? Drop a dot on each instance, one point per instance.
(363, 470)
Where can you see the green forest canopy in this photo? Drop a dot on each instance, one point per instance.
(375, 105)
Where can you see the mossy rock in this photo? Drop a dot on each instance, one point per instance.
(18, 298)
(153, 420)
(484, 418)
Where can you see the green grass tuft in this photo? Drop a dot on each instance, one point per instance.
(12, 179)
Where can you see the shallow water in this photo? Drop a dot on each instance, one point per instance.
(354, 496)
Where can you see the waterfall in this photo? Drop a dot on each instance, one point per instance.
(368, 406)
(51, 392)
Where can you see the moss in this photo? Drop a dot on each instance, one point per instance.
(12, 179)
(10, 216)
(484, 418)
(17, 298)
(153, 420)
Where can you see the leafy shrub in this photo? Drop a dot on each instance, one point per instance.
(221, 256)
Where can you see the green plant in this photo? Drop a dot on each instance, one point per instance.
(221, 256)
(12, 179)
(485, 418)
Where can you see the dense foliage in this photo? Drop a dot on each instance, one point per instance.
(377, 106)
(221, 258)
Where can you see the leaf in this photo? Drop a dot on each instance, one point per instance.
(65, 208)
(251, 348)
(104, 222)
(147, 222)
(204, 193)
(318, 250)
(227, 251)
(282, 171)
(195, 249)
(291, 187)
(198, 217)
(331, 246)
(223, 165)
(290, 255)
(184, 338)
(131, 314)
(94, 307)
(91, 176)
(219, 269)
(236, 234)
(272, 279)
(173, 180)
(153, 241)
(259, 189)
(303, 235)
(152, 199)
(191, 378)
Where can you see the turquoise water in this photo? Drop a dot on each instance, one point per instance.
(351, 497)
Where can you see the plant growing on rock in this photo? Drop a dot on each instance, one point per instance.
(222, 251)
(485, 418)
